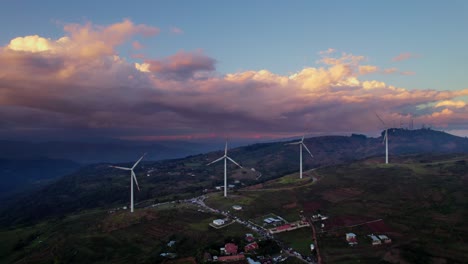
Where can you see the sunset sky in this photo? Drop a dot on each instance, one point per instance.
(151, 70)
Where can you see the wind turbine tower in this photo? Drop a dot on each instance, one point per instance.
(132, 178)
(301, 144)
(225, 157)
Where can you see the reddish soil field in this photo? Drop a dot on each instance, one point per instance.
(379, 227)
(290, 205)
(343, 221)
(341, 194)
(310, 207)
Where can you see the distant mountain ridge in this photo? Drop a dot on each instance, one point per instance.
(93, 152)
(23, 174)
(100, 186)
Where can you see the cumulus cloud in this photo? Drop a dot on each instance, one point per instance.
(456, 104)
(366, 69)
(182, 65)
(79, 85)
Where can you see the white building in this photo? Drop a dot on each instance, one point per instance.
(218, 222)
(375, 240)
(385, 239)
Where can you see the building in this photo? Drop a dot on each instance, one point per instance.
(218, 222)
(251, 261)
(171, 243)
(231, 248)
(375, 240)
(351, 238)
(237, 207)
(251, 247)
(249, 237)
(385, 239)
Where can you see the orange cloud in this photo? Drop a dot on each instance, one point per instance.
(405, 56)
(79, 83)
(366, 69)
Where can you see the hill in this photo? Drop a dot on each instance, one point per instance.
(98, 186)
(21, 175)
(421, 203)
(95, 152)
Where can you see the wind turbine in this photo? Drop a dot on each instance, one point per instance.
(301, 144)
(225, 157)
(385, 138)
(132, 177)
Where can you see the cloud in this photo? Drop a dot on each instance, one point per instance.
(176, 30)
(56, 87)
(405, 56)
(182, 65)
(397, 71)
(137, 45)
(456, 104)
(366, 69)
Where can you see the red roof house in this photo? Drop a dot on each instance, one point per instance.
(251, 246)
(231, 248)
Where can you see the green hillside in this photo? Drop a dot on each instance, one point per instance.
(421, 203)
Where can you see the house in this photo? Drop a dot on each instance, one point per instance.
(251, 247)
(385, 239)
(231, 258)
(375, 240)
(351, 238)
(231, 248)
(218, 222)
(249, 237)
(171, 243)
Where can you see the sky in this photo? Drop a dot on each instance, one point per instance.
(164, 70)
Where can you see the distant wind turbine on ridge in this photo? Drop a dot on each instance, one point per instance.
(132, 178)
(301, 144)
(385, 138)
(225, 157)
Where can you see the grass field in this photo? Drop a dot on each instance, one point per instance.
(299, 239)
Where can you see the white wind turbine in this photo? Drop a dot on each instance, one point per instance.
(225, 157)
(132, 177)
(301, 144)
(385, 138)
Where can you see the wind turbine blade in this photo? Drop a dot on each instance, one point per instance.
(234, 162)
(381, 120)
(134, 177)
(307, 150)
(120, 168)
(215, 161)
(138, 161)
(294, 143)
(302, 140)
